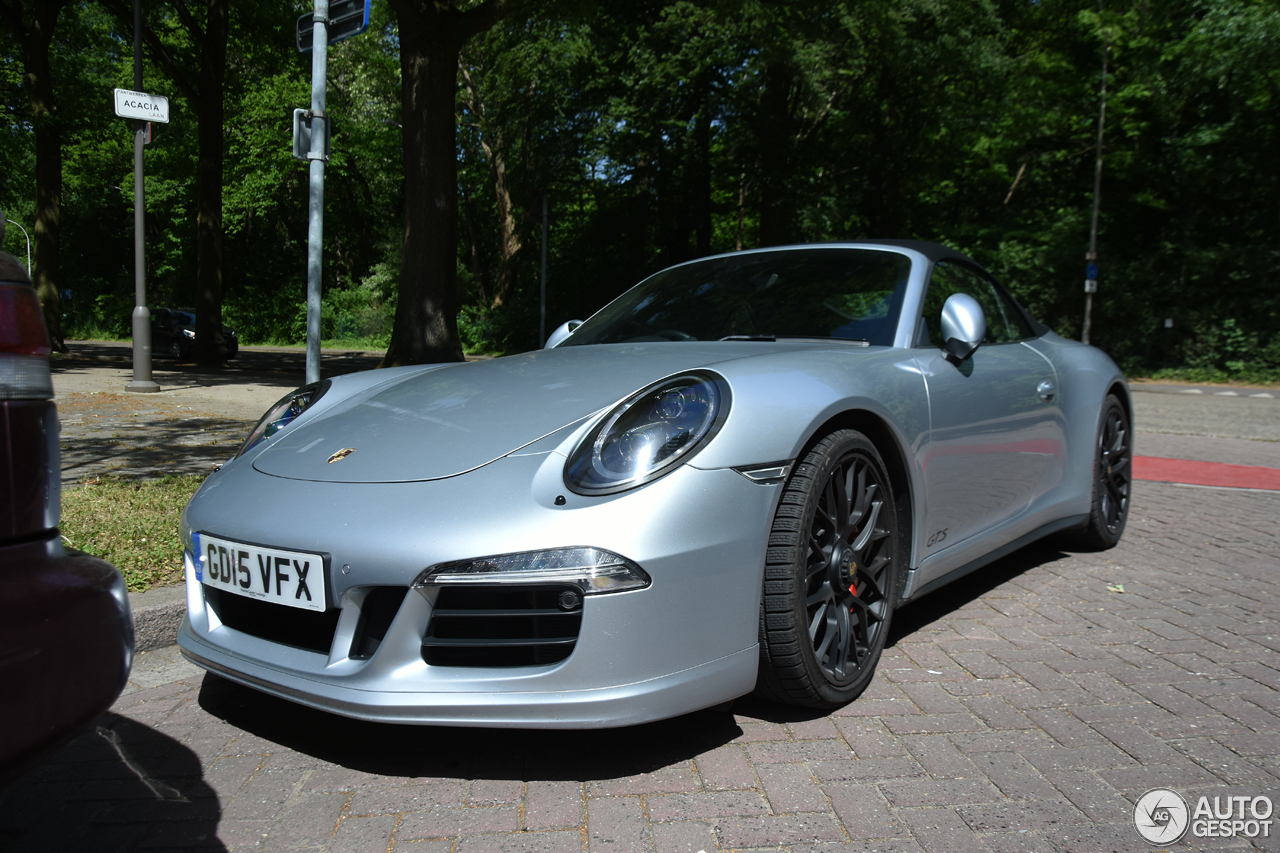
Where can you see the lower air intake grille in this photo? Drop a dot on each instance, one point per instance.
(503, 626)
(292, 626)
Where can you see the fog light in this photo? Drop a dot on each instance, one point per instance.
(594, 570)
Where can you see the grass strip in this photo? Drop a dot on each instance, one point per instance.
(130, 523)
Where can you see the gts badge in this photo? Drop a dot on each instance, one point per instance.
(937, 538)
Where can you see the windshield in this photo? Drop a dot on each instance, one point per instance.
(849, 294)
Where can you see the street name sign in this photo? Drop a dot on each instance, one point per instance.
(347, 18)
(140, 105)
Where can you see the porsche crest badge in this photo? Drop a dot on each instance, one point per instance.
(341, 454)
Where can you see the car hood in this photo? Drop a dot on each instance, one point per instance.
(450, 420)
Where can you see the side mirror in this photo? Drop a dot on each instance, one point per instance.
(963, 326)
(562, 331)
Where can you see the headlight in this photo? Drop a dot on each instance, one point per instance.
(189, 333)
(284, 412)
(649, 434)
(594, 570)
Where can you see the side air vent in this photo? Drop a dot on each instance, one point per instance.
(380, 607)
(503, 625)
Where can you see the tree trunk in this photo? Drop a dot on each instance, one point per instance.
(508, 233)
(432, 33)
(37, 78)
(426, 324)
(213, 67)
(507, 230)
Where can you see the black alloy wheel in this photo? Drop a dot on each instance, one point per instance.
(831, 576)
(175, 350)
(1112, 480)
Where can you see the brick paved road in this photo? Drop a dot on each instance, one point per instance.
(1024, 709)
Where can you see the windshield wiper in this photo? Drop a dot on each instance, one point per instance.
(859, 341)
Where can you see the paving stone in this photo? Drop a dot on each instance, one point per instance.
(552, 805)
(1003, 817)
(792, 788)
(725, 768)
(941, 830)
(939, 757)
(936, 792)
(934, 723)
(996, 712)
(311, 819)
(263, 797)
(666, 781)
(362, 834)
(1015, 776)
(713, 804)
(863, 810)
(849, 770)
(777, 829)
(615, 824)
(1091, 795)
(682, 837)
(793, 752)
(447, 822)
(400, 799)
(524, 842)
(869, 738)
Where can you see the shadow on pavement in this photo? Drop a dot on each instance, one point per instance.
(119, 785)
(462, 753)
(269, 361)
(955, 595)
(157, 446)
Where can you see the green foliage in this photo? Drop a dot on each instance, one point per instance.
(663, 130)
(132, 524)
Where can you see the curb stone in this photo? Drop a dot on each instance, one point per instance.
(157, 615)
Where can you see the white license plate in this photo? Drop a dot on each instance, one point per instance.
(291, 578)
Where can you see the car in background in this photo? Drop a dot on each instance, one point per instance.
(66, 631)
(173, 332)
(724, 481)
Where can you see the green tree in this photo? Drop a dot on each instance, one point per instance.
(32, 25)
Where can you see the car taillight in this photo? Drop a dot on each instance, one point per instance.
(24, 346)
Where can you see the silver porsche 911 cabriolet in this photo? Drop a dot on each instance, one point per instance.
(723, 482)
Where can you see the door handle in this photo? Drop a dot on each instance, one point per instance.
(1046, 389)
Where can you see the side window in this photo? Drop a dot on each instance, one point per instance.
(1004, 322)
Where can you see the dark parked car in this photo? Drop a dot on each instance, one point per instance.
(66, 633)
(173, 332)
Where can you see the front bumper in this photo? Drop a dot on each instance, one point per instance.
(603, 707)
(685, 643)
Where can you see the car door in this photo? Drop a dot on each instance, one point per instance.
(996, 436)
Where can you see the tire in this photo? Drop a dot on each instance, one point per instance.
(1112, 480)
(175, 350)
(819, 643)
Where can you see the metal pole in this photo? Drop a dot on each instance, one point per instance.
(1097, 196)
(142, 381)
(542, 308)
(315, 220)
(24, 234)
